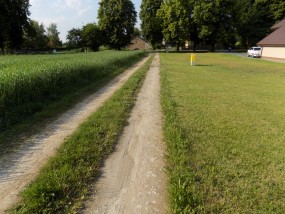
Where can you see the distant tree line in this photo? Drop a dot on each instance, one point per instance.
(37, 37)
(116, 21)
(18, 31)
(224, 22)
(114, 29)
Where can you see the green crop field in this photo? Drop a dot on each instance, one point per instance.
(224, 128)
(28, 83)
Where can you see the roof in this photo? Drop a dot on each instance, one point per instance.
(278, 25)
(277, 37)
(139, 37)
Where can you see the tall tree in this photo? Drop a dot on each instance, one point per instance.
(74, 38)
(215, 20)
(255, 20)
(13, 20)
(277, 8)
(35, 36)
(92, 36)
(150, 22)
(3, 24)
(117, 19)
(53, 36)
(176, 18)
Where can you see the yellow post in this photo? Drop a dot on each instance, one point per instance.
(193, 59)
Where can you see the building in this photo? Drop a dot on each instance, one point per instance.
(138, 43)
(273, 46)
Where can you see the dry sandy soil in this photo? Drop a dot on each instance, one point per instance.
(133, 178)
(20, 168)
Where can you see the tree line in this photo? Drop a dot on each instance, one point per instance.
(211, 22)
(115, 28)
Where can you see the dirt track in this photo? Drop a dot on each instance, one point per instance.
(19, 168)
(133, 178)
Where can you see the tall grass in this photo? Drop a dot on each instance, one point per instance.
(28, 81)
(224, 128)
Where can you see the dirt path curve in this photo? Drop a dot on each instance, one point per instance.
(19, 168)
(133, 179)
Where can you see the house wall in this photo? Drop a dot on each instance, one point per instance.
(274, 52)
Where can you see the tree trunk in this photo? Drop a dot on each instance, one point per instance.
(212, 48)
(194, 46)
(177, 47)
(2, 48)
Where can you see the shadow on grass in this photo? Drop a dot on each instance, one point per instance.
(200, 65)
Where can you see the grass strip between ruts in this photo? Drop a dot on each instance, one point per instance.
(64, 181)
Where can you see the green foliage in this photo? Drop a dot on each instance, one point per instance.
(26, 82)
(92, 36)
(137, 32)
(53, 36)
(35, 37)
(224, 122)
(13, 20)
(254, 21)
(277, 8)
(150, 22)
(74, 38)
(64, 182)
(117, 20)
(175, 17)
(215, 20)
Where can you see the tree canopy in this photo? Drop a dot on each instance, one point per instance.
(14, 18)
(92, 36)
(214, 22)
(74, 38)
(117, 20)
(150, 22)
(35, 37)
(53, 36)
(175, 21)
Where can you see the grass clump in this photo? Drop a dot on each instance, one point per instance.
(224, 128)
(64, 182)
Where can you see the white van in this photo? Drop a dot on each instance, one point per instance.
(254, 52)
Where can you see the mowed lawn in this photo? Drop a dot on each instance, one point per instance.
(225, 131)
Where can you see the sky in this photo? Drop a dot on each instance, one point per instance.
(68, 14)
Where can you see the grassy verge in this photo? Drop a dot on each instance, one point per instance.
(63, 183)
(224, 127)
(43, 109)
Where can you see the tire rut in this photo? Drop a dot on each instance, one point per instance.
(133, 179)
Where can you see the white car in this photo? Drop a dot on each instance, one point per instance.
(254, 52)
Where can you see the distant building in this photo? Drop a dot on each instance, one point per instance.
(138, 43)
(273, 46)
